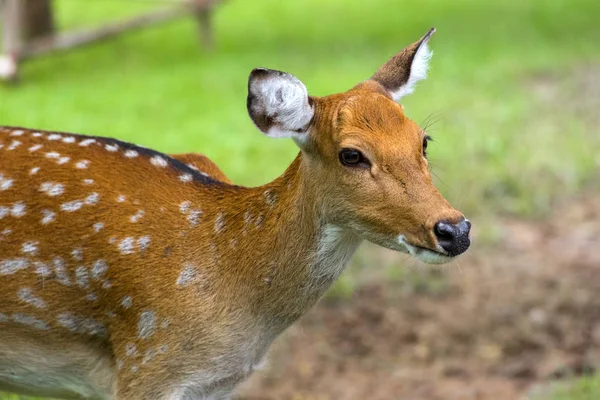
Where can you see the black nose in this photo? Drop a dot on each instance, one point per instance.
(454, 238)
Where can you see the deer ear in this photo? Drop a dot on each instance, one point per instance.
(278, 104)
(400, 74)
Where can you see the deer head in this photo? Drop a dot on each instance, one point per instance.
(367, 157)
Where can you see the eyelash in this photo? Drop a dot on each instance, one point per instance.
(426, 139)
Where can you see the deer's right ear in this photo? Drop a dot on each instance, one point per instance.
(400, 74)
(278, 104)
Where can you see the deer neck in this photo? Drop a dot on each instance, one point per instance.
(287, 253)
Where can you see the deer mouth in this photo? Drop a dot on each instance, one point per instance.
(424, 254)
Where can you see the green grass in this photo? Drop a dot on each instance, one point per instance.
(587, 388)
(502, 144)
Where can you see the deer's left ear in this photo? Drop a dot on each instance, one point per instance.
(279, 105)
(400, 74)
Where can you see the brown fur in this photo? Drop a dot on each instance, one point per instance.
(256, 255)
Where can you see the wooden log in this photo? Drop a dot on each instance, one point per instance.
(15, 49)
(68, 40)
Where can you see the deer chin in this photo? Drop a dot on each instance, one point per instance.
(401, 244)
(423, 254)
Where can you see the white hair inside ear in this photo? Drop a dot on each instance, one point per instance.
(278, 104)
(418, 71)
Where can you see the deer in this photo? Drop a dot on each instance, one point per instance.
(127, 273)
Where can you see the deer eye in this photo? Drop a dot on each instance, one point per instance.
(426, 139)
(352, 157)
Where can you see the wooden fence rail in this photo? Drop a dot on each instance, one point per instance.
(16, 47)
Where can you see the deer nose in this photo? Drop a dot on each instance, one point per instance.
(454, 238)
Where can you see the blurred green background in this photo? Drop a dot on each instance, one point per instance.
(513, 93)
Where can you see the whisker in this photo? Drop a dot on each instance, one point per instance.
(440, 179)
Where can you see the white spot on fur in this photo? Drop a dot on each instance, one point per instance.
(186, 178)
(26, 295)
(270, 198)
(71, 206)
(35, 148)
(52, 189)
(131, 154)
(30, 248)
(137, 216)
(194, 217)
(18, 209)
(99, 269)
(37, 134)
(98, 226)
(42, 269)
(127, 245)
(82, 277)
(13, 145)
(121, 198)
(88, 326)
(10, 266)
(83, 164)
(185, 207)
(91, 297)
(47, 216)
(92, 199)
(69, 139)
(17, 133)
(146, 324)
(60, 271)
(111, 147)
(53, 155)
(192, 166)
(54, 136)
(4, 211)
(77, 255)
(34, 170)
(247, 217)
(31, 321)
(130, 349)
(88, 181)
(219, 222)
(5, 183)
(144, 242)
(63, 160)
(127, 302)
(187, 275)
(158, 161)
(87, 142)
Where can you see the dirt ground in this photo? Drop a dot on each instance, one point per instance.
(513, 315)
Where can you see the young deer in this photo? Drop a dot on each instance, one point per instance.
(130, 274)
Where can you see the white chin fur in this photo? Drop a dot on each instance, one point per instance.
(424, 255)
